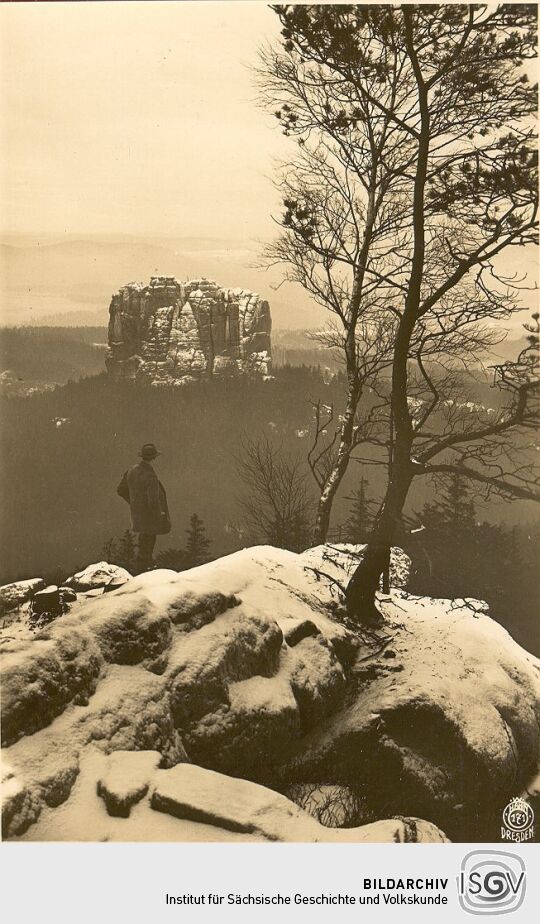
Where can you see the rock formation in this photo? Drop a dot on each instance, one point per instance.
(14, 595)
(244, 667)
(98, 575)
(170, 333)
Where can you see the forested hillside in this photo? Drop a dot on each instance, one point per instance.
(50, 355)
(65, 450)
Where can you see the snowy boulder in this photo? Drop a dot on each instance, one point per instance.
(21, 806)
(199, 795)
(244, 667)
(188, 609)
(134, 800)
(236, 805)
(40, 677)
(250, 736)
(317, 679)
(304, 628)
(227, 697)
(233, 648)
(156, 578)
(445, 720)
(126, 713)
(47, 601)
(126, 780)
(13, 595)
(98, 575)
(67, 595)
(128, 630)
(195, 609)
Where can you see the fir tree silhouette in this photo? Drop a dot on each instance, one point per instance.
(360, 520)
(197, 544)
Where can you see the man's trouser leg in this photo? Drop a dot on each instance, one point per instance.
(146, 549)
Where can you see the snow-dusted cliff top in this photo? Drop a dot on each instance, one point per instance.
(245, 667)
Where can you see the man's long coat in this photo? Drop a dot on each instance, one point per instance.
(145, 494)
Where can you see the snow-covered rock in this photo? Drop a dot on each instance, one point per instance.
(126, 779)
(47, 600)
(243, 666)
(136, 801)
(98, 575)
(445, 717)
(129, 630)
(40, 678)
(13, 595)
(195, 794)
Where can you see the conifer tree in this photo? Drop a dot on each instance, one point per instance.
(454, 506)
(450, 553)
(360, 519)
(197, 544)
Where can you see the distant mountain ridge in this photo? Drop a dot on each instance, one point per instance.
(67, 280)
(47, 282)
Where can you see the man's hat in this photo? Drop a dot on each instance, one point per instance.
(149, 452)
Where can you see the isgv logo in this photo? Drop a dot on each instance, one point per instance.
(491, 882)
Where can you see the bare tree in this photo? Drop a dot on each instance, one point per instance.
(460, 190)
(274, 501)
(337, 236)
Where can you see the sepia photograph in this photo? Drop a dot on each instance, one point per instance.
(269, 391)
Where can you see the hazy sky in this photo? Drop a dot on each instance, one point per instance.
(135, 117)
(140, 118)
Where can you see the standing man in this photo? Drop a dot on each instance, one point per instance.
(145, 494)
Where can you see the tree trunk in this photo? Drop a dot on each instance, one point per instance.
(360, 594)
(326, 500)
(346, 445)
(365, 582)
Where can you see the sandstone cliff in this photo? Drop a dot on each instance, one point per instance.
(170, 333)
